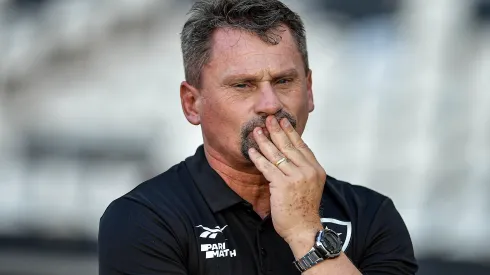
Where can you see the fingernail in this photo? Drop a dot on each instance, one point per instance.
(274, 121)
(285, 122)
(259, 132)
(251, 150)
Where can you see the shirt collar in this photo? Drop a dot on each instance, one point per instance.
(214, 189)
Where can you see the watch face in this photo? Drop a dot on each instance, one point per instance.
(330, 242)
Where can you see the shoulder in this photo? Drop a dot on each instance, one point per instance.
(158, 203)
(380, 240)
(150, 214)
(161, 187)
(143, 231)
(163, 194)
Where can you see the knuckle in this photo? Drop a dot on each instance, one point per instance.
(310, 174)
(322, 172)
(310, 171)
(322, 175)
(302, 145)
(276, 128)
(289, 129)
(266, 165)
(261, 159)
(289, 146)
(256, 158)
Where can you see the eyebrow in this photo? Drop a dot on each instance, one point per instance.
(255, 77)
(287, 73)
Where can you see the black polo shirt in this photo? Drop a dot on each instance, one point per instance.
(188, 221)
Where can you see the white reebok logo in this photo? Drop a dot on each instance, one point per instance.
(215, 250)
(210, 232)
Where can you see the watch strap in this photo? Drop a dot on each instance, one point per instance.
(320, 251)
(309, 260)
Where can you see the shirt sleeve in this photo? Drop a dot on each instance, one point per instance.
(390, 250)
(133, 240)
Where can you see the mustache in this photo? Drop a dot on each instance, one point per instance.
(248, 127)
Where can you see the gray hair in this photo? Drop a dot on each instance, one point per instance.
(260, 17)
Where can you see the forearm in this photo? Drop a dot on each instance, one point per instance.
(303, 242)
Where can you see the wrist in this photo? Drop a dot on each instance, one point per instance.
(302, 240)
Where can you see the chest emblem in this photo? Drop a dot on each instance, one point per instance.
(211, 233)
(217, 249)
(342, 228)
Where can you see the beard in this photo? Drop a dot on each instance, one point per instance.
(247, 141)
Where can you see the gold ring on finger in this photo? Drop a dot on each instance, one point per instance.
(280, 161)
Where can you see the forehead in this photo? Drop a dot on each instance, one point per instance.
(238, 51)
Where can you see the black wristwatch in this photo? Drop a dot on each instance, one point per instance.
(327, 246)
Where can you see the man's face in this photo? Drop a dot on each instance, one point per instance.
(246, 80)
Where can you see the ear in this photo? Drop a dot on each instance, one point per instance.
(191, 103)
(309, 90)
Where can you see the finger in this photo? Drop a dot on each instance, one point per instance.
(271, 153)
(296, 140)
(269, 170)
(283, 143)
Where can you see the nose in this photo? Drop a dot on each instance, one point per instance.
(268, 102)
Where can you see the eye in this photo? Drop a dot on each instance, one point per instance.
(240, 85)
(284, 81)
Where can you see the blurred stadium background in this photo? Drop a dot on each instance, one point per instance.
(89, 108)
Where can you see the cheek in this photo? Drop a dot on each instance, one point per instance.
(296, 101)
(210, 115)
(218, 119)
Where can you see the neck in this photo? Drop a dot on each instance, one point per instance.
(248, 183)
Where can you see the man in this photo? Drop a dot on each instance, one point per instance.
(253, 199)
